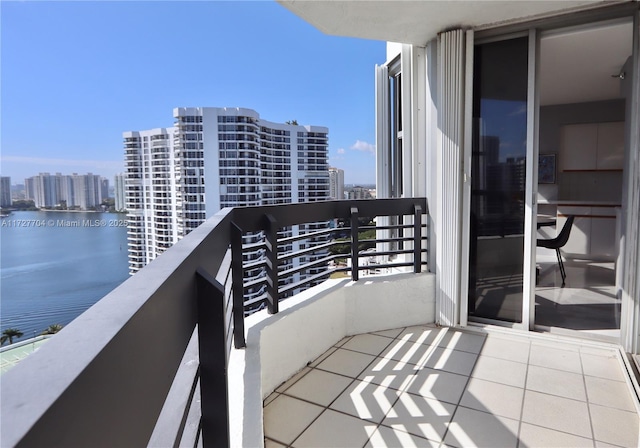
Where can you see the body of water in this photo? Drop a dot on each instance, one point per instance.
(55, 265)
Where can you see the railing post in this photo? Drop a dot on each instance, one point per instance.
(237, 280)
(271, 234)
(417, 239)
(355, 264)
(213, 361)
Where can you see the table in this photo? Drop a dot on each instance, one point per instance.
(545, 221)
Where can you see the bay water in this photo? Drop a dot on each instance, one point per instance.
(55, 265)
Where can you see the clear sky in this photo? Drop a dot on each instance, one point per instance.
(75, 75)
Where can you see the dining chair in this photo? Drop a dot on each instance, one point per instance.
(557, 243)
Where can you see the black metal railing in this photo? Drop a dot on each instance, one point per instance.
(285, 272)
(150, 358)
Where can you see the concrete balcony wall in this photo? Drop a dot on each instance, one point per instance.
(280, 345)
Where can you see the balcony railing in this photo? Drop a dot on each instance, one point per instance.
(146, 365)
(408, 238)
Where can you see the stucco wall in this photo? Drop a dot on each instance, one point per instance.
(308, 324)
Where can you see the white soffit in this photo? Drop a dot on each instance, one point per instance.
(418, 22)
(578, 65)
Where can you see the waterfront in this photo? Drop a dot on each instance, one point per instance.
(55, 265)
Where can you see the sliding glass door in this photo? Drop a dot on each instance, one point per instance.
(498, 186)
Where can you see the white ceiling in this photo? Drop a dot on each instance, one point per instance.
(418, 22)
(577, 65)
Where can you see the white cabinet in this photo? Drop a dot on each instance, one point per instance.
(610, 146)
(579, 147)
(592, 146)
(580, 237)
(603, 237)
(593, 234)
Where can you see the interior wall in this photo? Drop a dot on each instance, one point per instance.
(603, 186)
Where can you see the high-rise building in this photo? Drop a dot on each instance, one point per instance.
(5, 191)
(42, 190)
(118, 190)
(358, 192)
(87, 191)
(214, 158)
(80, 191)
(336, 183)
(150, 194)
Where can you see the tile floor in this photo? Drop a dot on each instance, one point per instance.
(588, 301)
(437, 387)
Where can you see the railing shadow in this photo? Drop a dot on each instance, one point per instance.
(416, 393)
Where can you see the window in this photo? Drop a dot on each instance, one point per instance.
(395, 156)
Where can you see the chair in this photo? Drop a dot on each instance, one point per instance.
(559, 242)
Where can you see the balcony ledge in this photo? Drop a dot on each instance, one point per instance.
(280, 345)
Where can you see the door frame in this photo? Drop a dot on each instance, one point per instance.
(531, 187)
(630, 251)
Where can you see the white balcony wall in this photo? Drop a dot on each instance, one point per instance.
(308, 324)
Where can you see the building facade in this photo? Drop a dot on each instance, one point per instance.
(118, 190)
(5, 191)
(358, 192)
(75, 191)
(214, 158)
(336, 183)
(150, 194)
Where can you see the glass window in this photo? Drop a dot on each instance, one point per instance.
(498, 179)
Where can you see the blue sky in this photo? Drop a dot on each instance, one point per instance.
(75, 75)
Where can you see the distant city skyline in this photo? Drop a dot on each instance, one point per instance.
(75, 75)
(83, 165)
(63, 173)
(79, 191)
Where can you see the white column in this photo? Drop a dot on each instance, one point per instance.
(419, 121)
(408, 111)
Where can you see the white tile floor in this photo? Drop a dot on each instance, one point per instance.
(437, 387)
(587, 302)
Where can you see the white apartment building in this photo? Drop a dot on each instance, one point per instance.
(336, 183)
(80, 191)
(150, 194)
(41, 189)
(358, 192)
(220, 157)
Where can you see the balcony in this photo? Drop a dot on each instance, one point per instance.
(169, 358)
(424, 385)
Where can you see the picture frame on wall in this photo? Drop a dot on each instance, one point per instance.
(547, 169)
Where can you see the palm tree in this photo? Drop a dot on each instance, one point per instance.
(52, 329)
(9, 334)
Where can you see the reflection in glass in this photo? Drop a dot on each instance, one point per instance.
(498, 179)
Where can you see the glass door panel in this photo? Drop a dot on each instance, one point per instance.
(498, 180)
